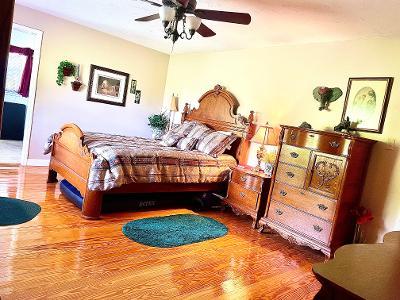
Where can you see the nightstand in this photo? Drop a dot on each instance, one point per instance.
(248, 192)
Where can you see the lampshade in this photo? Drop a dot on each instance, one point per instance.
(167, 14)
(193, 23)
(265, 136)
(174, 104)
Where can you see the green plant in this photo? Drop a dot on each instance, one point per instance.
(159, 121)
(65, 68)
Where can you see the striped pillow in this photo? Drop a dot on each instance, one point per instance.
(187, 143)
(215, 143)
(185, 128)
(170, 139)
(199, 130)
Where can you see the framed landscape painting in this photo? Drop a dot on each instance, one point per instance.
(107, 86)
(366, 103)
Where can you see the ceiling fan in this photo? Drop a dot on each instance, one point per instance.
(171, 12)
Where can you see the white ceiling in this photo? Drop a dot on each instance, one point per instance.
(275, 22)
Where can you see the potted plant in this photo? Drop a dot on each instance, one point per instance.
(65, 69)
(158, 123)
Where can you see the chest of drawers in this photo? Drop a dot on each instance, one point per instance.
(318, 179)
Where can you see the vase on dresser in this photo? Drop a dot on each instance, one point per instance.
(318, 180)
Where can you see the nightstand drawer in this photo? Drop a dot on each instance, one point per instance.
(292, 175)
(301, 222)
(306, 201)
(242, 197)
(295, 156)
(247, 181)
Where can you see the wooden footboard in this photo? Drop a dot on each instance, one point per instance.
(72, 160)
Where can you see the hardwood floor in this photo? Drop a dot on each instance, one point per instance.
(59, 255)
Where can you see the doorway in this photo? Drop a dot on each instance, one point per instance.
(19, 99)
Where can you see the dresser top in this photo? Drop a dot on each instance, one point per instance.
(332, 133)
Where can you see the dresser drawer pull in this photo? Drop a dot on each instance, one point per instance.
(279, 212)
(283, 193)
(294, 154)
(242, 194)
(293, 135)
(334, 144)
(322, 207)
(317, 228)
(290, 174)
(243, 178)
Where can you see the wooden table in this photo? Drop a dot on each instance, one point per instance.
(362, 271)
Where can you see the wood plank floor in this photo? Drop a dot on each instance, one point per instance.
(59, 255)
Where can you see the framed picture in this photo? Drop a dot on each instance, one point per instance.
(138, 95)
(107, 86)
(366, 103)
(133, 86)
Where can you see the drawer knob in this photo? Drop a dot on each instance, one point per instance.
(317, 228)
(294, 154)
(334, 144)
(322, 207)
(279, 212)
(283, 193)
(290, 174)
(242, 194)
(293, 135)
(243, 178)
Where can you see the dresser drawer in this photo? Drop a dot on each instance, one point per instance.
(306, 201)
(294, 155)
(298, 221)
(328, 143)
(292, 175)
(242, 197)
(247, 181)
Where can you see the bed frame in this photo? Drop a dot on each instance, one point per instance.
(72, 160)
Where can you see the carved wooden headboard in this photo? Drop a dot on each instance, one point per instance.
(218, 110)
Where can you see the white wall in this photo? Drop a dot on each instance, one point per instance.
(56, 105)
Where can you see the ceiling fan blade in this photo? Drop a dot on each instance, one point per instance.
(204, 31)
(223, 16)
(148, 18)
(151, 2)
(184, 3)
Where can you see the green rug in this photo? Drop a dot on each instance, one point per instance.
(173, 231)
(15, 211)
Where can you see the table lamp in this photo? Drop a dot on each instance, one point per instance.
(264, 136)
(173, 109)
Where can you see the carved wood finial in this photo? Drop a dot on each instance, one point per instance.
(218, 89)
(186, 111)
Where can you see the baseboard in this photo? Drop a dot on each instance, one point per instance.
(38, 162)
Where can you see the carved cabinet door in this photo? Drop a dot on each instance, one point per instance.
(326, 174)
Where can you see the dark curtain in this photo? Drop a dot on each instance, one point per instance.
(26, 75)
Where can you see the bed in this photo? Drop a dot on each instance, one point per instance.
(75, 153)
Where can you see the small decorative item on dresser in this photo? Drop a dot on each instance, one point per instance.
(363, 216)
(305, 125)
(247, 192)
(264, 136)
(325, 96)
(158, 123)
(318, 176)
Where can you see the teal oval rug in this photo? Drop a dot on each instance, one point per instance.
(173, 231)
(15, 211)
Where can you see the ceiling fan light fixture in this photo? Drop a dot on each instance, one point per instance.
(167, 14)
(193, 23)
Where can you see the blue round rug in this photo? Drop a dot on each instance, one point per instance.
(15, 211)
(173, 231)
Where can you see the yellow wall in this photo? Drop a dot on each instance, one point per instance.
(56, 105)
(277, 83)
